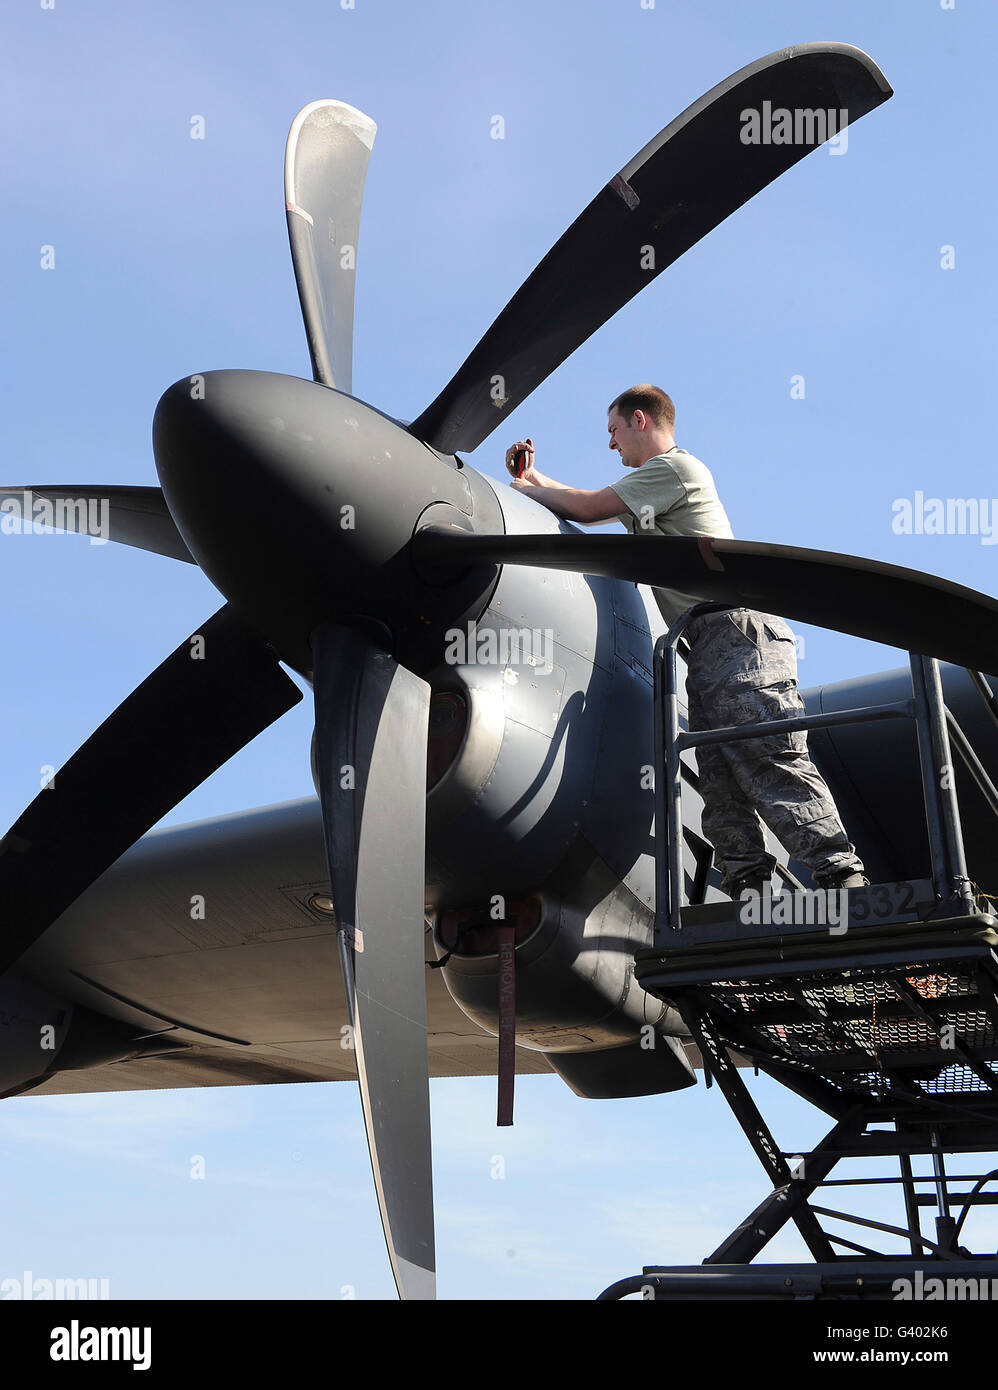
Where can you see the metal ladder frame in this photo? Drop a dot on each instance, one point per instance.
(934, 725)
(727, 1269)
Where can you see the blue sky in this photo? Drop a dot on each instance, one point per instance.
(171, 258)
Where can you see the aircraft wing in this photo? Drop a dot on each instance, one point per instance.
(205, 940)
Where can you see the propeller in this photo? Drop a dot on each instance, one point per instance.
(301, 504)
(215, 693)
(371, 719)
(885, 603)
(685, 182)
(135, 516)
(325, 165)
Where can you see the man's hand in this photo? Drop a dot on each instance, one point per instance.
(528, 475)
(576, 504)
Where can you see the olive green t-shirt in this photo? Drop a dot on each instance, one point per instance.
(674, 494)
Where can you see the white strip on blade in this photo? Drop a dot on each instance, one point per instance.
(293, 207)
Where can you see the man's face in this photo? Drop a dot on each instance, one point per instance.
(626, 437)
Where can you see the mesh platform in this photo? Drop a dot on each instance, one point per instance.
(900, 1011)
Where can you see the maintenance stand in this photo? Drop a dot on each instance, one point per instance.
(887, 1021)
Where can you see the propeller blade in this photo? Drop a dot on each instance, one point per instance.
(204, 703)
(135, 516)
(371, 729)
(325, 165)
(683, 183)
(866, 598)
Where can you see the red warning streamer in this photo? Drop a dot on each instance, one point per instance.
(507, 1022)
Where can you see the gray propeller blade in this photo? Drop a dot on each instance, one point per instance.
(215, 693)
(371, 729)
(325, 165)
(686, 181)
(884, 603)
(135, 516)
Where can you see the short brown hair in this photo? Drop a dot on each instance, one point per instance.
(651, 399)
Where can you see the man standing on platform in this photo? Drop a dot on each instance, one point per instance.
(742, 667)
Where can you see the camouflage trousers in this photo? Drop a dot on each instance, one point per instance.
(742, 669)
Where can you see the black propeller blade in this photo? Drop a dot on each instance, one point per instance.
(135, 516)
(884, 603)
(686, 181)
(371, 720)
(204, 703)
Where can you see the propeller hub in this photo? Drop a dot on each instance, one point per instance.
(299, 503)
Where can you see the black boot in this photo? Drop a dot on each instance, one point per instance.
(842, 878)
(755, 883)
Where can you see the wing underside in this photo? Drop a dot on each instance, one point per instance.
(236, 983)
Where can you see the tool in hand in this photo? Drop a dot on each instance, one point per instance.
(520, 462)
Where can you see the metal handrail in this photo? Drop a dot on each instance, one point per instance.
(984, 690)
(973, 763)
(933, 723)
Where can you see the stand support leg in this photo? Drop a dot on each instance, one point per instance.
(791, 1191)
